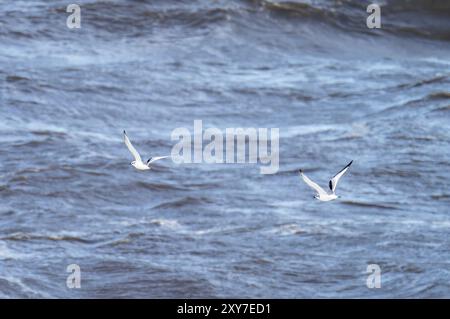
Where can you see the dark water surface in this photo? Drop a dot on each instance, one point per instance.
(336, 90)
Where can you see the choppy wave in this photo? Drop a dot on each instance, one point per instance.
(158, 186)
(13, 287)
(370, 205)
(6, 253)
(288, 229)
(428, 19)
(335, 89)
(185, 201)
(21, 236)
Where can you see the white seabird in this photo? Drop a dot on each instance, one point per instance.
(322, 195)
(137, 163)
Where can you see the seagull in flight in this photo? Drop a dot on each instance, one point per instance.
(137, 163)
(322, 195)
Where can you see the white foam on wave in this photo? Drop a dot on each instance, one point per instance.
(358, 129)
(436, 60)
(215, 230)
(169, 223)
(287, 229)
(23, 287)
(6, 253)
(294, 131)
(18, 125)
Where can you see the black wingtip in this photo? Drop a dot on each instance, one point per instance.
(124, 132)
(300, 171)
(350, 163)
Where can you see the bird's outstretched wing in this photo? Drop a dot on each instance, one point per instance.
(131, 148)
(333, 182)
(154, 159)
(313, 185)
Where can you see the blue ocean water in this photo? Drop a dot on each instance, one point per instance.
(336, 90)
